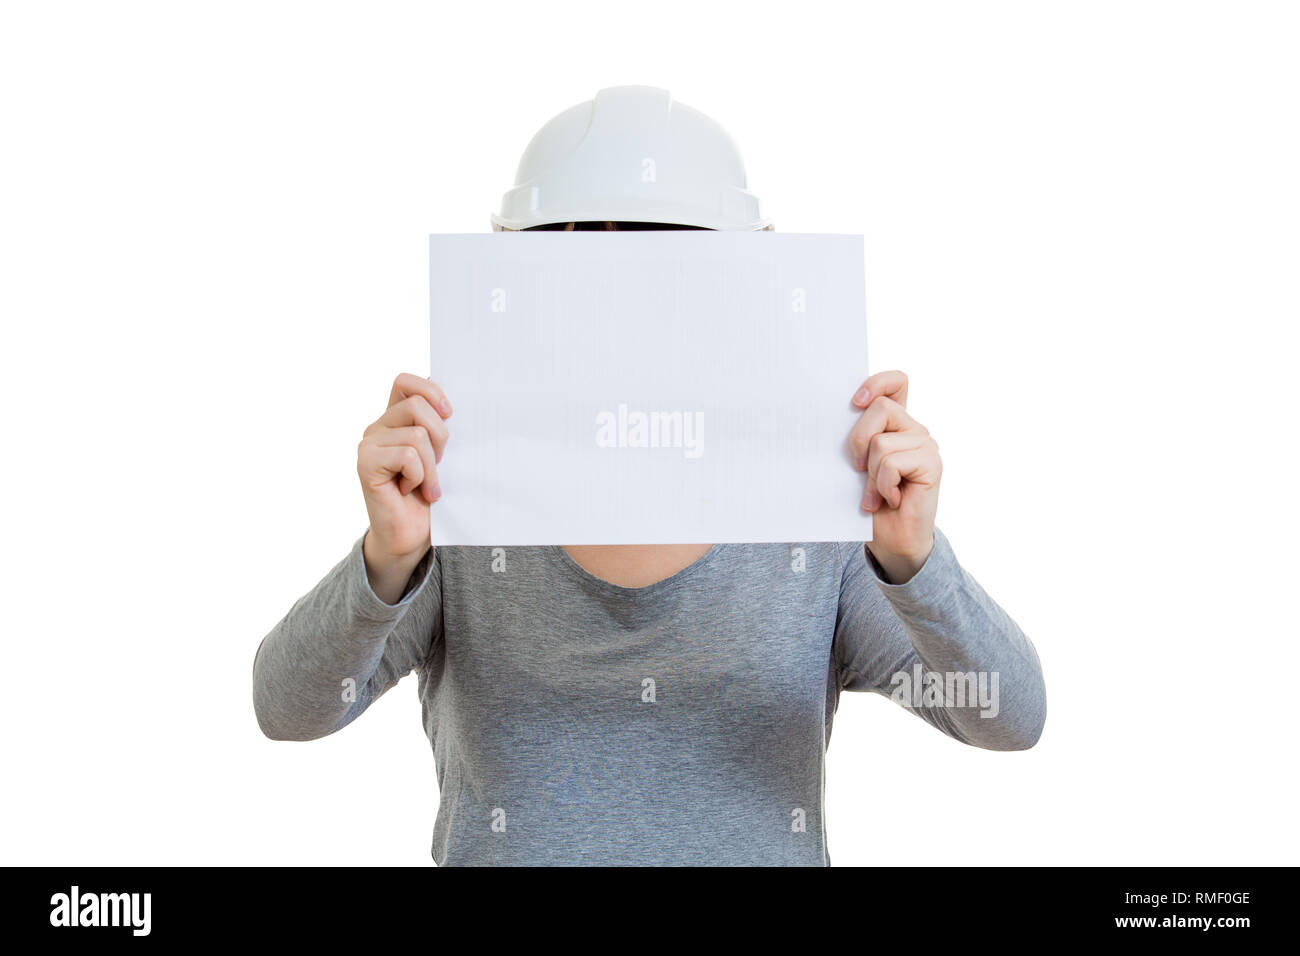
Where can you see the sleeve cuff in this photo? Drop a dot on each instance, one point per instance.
(367, 602)
(937, 576)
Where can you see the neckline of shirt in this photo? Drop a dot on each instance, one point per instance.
(655, 589)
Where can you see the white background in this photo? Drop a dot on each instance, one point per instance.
(1081, 231)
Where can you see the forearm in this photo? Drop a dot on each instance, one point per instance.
(985, 670)
(316, 663)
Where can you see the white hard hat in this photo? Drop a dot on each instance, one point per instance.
(631, 155)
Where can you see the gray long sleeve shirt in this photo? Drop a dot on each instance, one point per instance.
(574, 721)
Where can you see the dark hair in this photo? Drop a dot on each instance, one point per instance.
(606, 226)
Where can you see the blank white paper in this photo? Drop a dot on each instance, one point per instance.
(648, 387)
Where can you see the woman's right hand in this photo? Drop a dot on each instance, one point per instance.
(397, 461)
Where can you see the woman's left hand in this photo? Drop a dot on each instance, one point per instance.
(903, 469)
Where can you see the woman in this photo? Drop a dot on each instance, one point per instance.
(643, 704)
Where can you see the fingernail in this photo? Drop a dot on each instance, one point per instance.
(861, 397)
(444, 406)
(435, 493)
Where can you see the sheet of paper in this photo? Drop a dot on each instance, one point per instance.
(648, 387)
